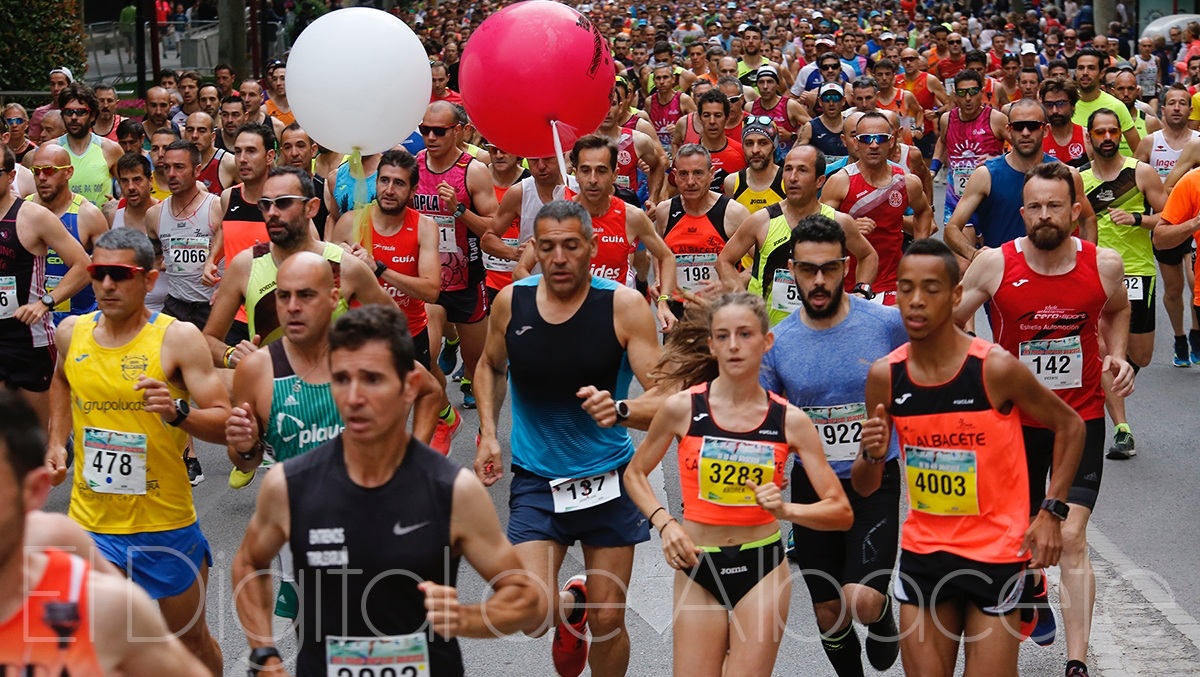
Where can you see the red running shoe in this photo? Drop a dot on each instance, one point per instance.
(570, 647)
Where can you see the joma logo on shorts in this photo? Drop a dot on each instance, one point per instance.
(727, 571)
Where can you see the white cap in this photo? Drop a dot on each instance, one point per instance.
(887, 35)
(824, 39)
(830, 87)
(1028, 48)
(65, 71)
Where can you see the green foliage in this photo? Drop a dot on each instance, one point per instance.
(39, 35)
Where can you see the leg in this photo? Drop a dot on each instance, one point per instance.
(472, 337)
(701, 631)
(1078, 583)
(40, 401)
(543, 559)
(929, 638)
(437, 325)
(1172, 294)
(866, 604)
(185, 617)
(991, 644)
(758, 624)
(608, 574)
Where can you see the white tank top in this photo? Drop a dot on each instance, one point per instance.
(185, 241)
(1162, 156)
(531, 202)
(156, 297)
(119, 218)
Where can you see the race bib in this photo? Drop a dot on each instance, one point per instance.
(961, 175)
(840, 428)
(694, 271)
(726, 464)
(188, 255)
(1133, 287)
(785, 295)
(942, 481)
(52, 282)
(447, 243)
(497, 264)
(8, 297)
(1057, 363)
(402, 656)
(114, 462)
(581, 493)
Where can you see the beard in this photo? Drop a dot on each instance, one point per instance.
(1057, 120)
(835, 302)
(289, 236)
(1048, 238)
(1107, 150)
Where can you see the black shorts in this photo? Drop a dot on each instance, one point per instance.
(1174, 255)
(926, 145)
(940, 577)
(196, 312)
(238, 331)
(865, 554)
(1141, 317)
(492, 293)
(421, 348)
(729, 573)
(1039, 455)
(26, 367)
(466, 306)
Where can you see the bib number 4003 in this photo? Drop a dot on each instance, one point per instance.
(945, 485)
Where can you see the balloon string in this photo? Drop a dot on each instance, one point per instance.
(362, 213)
(558, 151)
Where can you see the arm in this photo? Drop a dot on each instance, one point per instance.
(186, 360)
(980, 282)
(266, 534)
(636, 331)
(639, 227)
(835, 189)
(243, 428)
(1189, 157)
(832, 511)
(861, 250)
(92, 224)
(216, 247)
(1143, 149)
(865, 476)
(525, 263)
(51, 233)
(651, 152)
(1114, 321)
(508, 211)
(979, 186)
(516, 603)
(359, 283)
(131, 637)
(802, 137)
(483, 199)
(226, 301)
(490, 385)
(741, 242)
(918, 113)
(227, 170)
(922, 213)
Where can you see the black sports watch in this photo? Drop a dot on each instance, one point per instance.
(259, 656)
(863, 289)
(47, 300)
(622, 410)
(380, 267)
(460, 210)
(181, 413)
(1056, 507)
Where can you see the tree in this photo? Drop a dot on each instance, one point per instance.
(38, 36)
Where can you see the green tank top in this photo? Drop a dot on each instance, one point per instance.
(303, 415)
(1131, 242)
(770, 277)
(1139, 123)
(90, 178)
(261, 314)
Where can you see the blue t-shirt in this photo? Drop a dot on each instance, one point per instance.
(998, 219)
(828, 368)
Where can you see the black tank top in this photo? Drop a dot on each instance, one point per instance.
(402, 526)
(715, 214)
(28, 273)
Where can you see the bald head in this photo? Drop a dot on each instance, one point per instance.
(51, 154)
(52, 126)
(305, 270)
(158, 107)
(199, 130)
(442, 109)
(305, 298)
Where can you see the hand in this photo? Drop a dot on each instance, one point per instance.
(978, 252)
(363, 254)
(442, 608)
(678, 548)
(875, 434)
(489, 465)
(31, 313)
(56, 464)
(241, 429)
(651, 210)
(157, 397)
(1120, 216)
(448, 197)
(1122, 375)
(1043, 541)
(600, 405)
(769, 497)
(244, 349)
(666, 317)
(209, 277)
(864, 224)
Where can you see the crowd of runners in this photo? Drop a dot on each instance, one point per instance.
(752, 233)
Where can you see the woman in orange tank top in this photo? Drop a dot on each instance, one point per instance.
(734, 441)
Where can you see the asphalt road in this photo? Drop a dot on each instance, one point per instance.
(1143, 534)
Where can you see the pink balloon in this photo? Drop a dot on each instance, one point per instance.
(531, 63)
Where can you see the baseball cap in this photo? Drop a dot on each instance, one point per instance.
(824, 39)
(65, 71)
(830, 87)
(768, 70)
(887, 35)
(1028, 48)
(755, 125)
(715, 41)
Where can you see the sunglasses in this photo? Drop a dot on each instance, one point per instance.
(119, 272)
(734, 99)
(969, 91)
(828, 269)
(1105, 133)
(15, 121)
(759, 120)
(954, 42)
(1055, 105)
(439, 132)
(1026, 125)
(283, 202)
(830, 97)
(48, 170)
(831, 66)
(75, 112)
(872, 139)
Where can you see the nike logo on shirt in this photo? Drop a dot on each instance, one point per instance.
(400, 531)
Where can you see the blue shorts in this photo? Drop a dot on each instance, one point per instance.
(531, 517)
(163, 563)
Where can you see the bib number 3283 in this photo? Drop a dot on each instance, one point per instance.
(580, 493)
(402, 656)
(114, 462)
(726, 465)
(1057, 363)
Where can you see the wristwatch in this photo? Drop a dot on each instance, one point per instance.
(259, 656)
(47, 300)
(863, 289)
(380, 266)
(181, 413)
(460, 210)
(1056, 507)
(622, 411)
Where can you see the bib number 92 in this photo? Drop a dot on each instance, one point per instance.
(937, 483)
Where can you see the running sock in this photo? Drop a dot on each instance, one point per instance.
(844, 652)
(448, 415)
(1133, 365)
(577, 612)
(1121, 428)
(1077, 665)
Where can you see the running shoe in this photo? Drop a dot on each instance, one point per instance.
(468, 394)
(458, 374)
(1182, 356)
(1122, 448)
(883, 639)
(448, 357)
(1076, 669)
(570, 647)
(241, 480)
(444, 433)
(1045, 628)
(194, 471)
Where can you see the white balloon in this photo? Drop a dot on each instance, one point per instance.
(358, 78)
